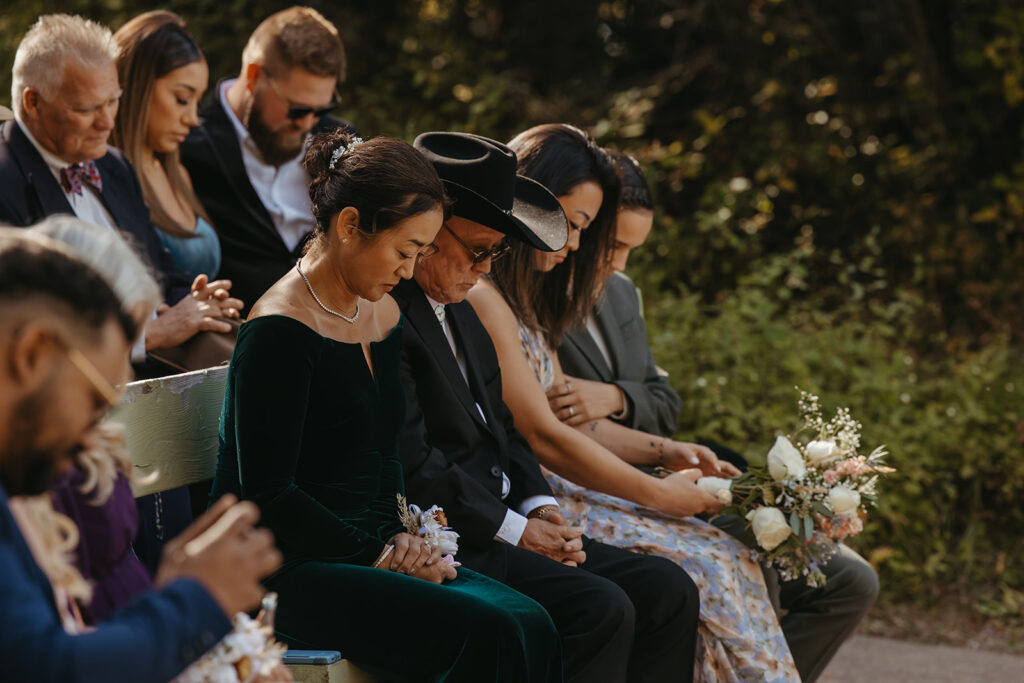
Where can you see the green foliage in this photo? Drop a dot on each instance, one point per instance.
(841, 200)
(954, 425)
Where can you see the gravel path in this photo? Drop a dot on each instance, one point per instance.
(868, 659)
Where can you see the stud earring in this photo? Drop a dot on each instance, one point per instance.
(344, 240)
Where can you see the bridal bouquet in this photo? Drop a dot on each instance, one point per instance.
(811, 493)
(246, 654)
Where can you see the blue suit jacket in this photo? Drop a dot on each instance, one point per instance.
(153, 638)
(30, 193)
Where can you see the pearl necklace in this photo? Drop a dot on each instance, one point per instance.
(344, 317)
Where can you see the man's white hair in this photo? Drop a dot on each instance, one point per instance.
(52, 42)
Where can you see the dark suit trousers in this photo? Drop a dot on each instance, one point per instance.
(621, 616)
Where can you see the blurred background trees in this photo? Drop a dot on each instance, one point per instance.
(841, 206)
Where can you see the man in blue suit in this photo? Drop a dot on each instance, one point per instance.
(64, 341)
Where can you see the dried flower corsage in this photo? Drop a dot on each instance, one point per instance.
(432, 526)
(247, 653)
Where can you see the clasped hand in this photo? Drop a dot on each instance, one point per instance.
(576, 400)
(553, 538)
(414, 556)
(196, 312)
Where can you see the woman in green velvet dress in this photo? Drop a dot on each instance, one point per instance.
(313, 405)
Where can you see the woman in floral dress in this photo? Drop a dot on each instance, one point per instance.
(530, 300)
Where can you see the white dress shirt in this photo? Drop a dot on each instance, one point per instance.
(514, 524)
(602, 345)
(89, 207)
(283, 190)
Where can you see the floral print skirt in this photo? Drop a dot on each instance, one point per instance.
(739, 639)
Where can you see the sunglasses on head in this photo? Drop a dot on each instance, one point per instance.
(301, 111)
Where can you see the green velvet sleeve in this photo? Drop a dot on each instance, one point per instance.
(272, 371)
(385, 506)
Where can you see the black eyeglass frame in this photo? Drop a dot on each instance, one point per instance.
(481, 255)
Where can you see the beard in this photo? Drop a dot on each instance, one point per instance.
(29, 468)
(275, 147)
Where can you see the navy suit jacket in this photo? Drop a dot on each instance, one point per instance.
(253, 255)
(30, 193)
(653, 404)
(450, 456)
(153, 638)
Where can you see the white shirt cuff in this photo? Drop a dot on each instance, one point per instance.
(534, 502)
(139, 349)
(512, 528)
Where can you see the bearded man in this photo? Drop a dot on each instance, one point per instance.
(245, 159)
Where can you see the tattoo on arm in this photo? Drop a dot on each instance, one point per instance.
(593, 426)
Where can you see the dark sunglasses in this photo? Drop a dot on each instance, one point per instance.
(481, 255)
(301, 111)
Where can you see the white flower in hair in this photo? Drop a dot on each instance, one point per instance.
(343, 149)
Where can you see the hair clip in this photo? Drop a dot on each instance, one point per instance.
(342, 150)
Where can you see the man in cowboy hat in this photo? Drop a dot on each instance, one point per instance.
(620, 615)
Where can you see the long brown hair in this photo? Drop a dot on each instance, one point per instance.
(153, 45)
(561, 157)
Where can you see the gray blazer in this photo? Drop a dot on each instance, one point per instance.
(653, 405)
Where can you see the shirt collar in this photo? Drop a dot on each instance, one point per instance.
(434, 303)
(52, 160)
(241, 131)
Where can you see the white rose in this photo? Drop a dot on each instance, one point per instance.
(843, 500)
(785, 461)
(770, 527)
(821, 451)
(717, 487)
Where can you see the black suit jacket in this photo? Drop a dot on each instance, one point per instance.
(452, 457)
(30, 193)
(253, 255)
(654, 405)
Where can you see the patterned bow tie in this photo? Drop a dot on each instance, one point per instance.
(73, 177)
(439, 312)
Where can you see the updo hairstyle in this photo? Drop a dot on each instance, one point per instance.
(384, 178)
(636, 194)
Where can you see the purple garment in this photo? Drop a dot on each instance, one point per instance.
(104, 555)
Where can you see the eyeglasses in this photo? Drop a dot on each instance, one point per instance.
(481, 255)
(301, 111)
(429, 250)
(101, 384)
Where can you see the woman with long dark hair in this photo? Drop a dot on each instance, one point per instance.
(163, 75)
(739, 637)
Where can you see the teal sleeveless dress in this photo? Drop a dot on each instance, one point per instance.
(309, 435)
(197, 254)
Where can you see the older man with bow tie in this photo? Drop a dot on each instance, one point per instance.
(54, 159)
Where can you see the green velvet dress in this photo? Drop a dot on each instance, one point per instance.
(308, 434)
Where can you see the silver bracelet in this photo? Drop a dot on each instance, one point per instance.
(383, 556)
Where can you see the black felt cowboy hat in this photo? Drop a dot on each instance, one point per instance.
(479, 175)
